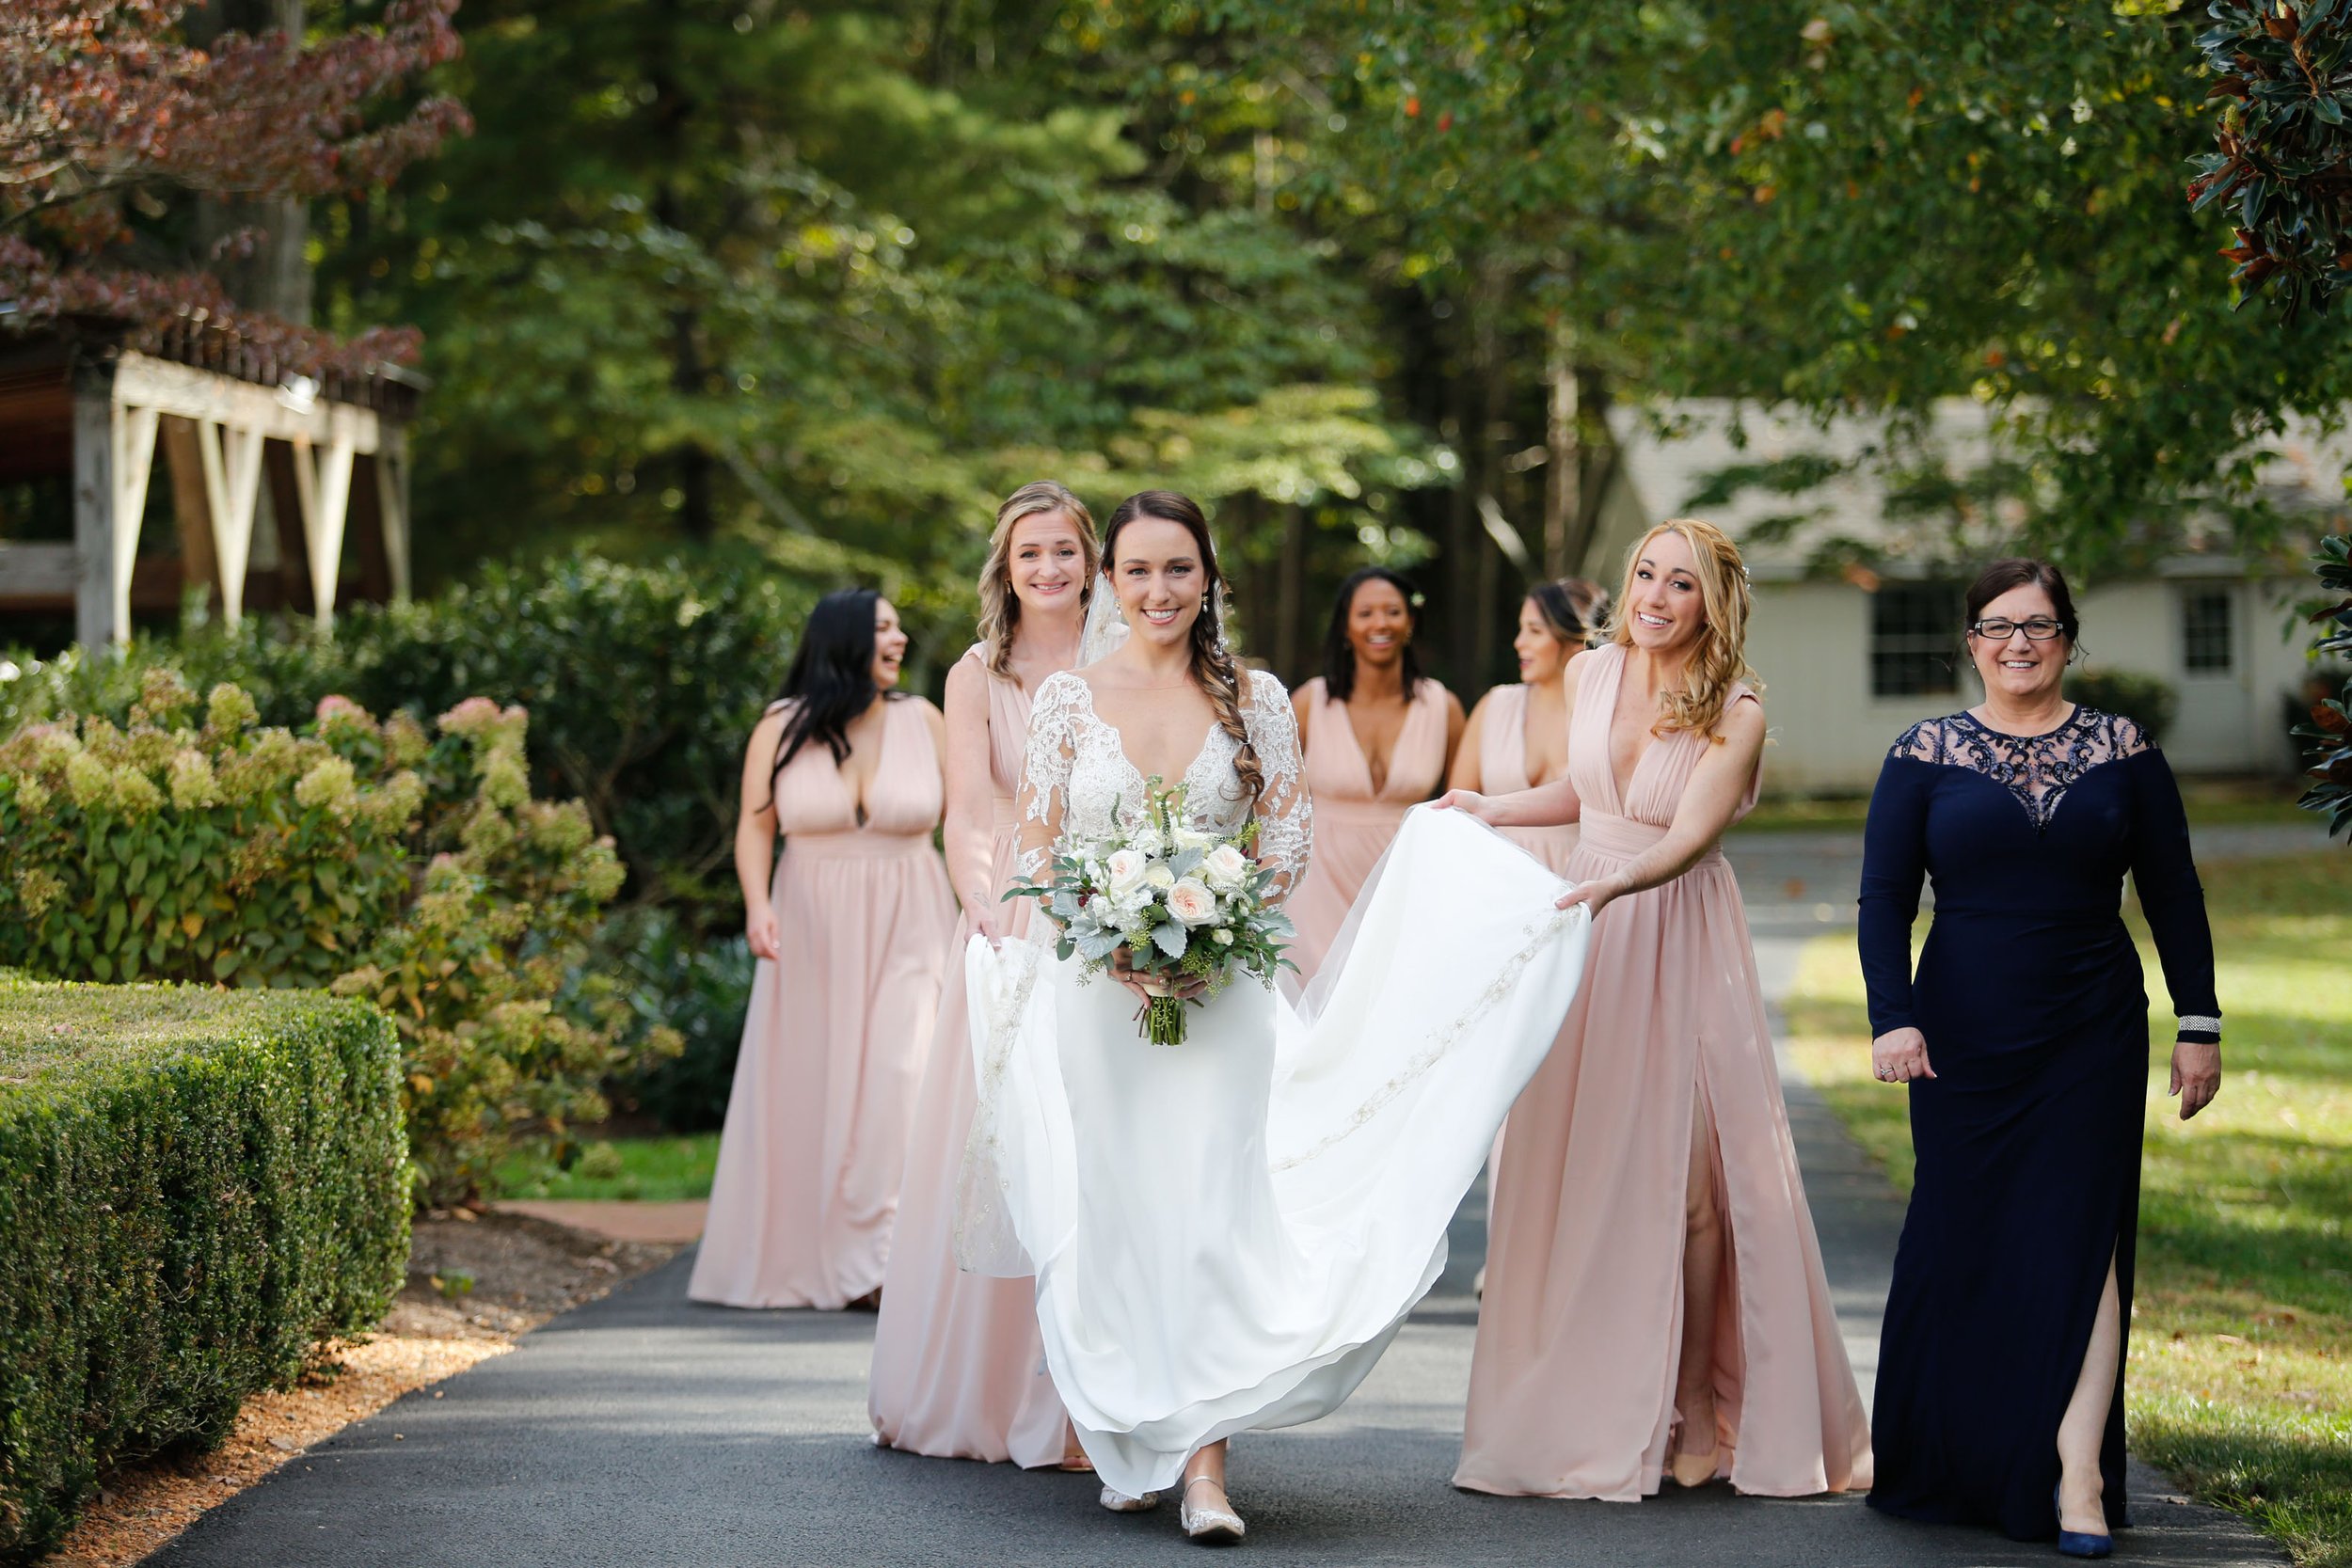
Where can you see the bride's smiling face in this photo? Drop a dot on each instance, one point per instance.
(1157, 573)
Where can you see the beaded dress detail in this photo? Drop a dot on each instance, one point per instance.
(2038, 769)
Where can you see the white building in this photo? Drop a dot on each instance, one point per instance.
(1851, 658)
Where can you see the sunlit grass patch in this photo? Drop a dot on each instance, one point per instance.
(2241, 1361)
(646, 1170)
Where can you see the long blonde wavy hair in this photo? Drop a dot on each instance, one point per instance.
(1722, 655)
(1000, 608)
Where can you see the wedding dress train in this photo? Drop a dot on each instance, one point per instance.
(1227, 1234)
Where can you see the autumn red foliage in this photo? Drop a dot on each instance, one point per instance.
(104, 104)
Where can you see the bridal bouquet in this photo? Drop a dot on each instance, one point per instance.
(1185, 905)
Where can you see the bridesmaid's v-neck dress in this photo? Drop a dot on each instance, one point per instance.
(816, 1134)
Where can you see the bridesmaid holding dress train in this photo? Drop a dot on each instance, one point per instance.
(1655, 1299)
(1518, 736)
(957, 1372)
(850, 927)
(1379, 736)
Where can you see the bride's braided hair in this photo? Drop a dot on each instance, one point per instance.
(1214, 667)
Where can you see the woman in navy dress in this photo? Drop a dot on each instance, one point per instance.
(2023, 1043)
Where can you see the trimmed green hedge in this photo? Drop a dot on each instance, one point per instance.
(195, 1186)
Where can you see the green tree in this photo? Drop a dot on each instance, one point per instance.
(834, 279)
(1849, 209)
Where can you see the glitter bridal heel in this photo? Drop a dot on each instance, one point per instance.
(1208, 1526)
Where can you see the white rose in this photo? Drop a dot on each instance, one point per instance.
(1191, 903)
(1126, 868)
(1225, 867)
(1146, 838)
(1160, 875)
(1193, 838)
(1223, 938)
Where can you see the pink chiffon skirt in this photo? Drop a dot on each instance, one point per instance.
(1578, 1335)
(817, 1126)
(1350, 838)
(959, 1372)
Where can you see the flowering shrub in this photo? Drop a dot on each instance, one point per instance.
(643, 683)
(415, 870)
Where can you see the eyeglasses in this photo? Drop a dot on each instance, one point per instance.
(2040, 629)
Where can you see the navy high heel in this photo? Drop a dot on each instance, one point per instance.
(2074, 1543)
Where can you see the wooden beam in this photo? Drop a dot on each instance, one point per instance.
(285, 465)
(327, 507)
(94, 616)
(391, 481)
(363, 534)
(134, 432)
(232, 485)
(38, 573)
(279, 413)
(191, 500)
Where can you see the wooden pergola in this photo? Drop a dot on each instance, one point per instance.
(233, 426)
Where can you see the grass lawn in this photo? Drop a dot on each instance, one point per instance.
(646, 1170)
(2241, 1359)
(2212, 803)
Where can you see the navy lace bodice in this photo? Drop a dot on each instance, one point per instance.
(2038, 769)
(2028, 839)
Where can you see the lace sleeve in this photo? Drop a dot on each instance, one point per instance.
(1286, 816)
(1922, 742)
(1045, 769)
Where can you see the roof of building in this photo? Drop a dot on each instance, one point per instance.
(1802, 496)
(38, 366)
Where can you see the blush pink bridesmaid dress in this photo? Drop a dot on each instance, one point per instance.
(959, 1372)
(1354, 823)
(1503, 771)
(1573, 1378)
(816, 1125)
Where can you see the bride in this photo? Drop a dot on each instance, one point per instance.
(1227, 1234)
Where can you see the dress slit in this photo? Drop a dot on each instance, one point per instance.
(1579, 1334)
(1726, 1350)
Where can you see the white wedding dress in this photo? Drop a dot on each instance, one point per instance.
(1227, 1234)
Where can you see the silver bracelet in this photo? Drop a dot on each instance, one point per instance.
(2190, 1023)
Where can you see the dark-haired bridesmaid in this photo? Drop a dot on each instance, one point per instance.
(851, 925)
(1379, 736)
(1519, 735)
(1517, 738)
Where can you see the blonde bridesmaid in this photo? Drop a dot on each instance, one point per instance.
(1655, 1299)
(1518, 736)
(851, 925)
(1379, 736)
(958, 1368)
